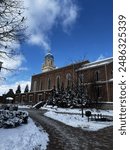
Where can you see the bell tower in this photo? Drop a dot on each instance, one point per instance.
(48, 62)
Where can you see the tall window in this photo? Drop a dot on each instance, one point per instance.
(98, 91)
(30, 98)
(39, 97)
(81, 78)
(69, 79)
(41, 85)
(97, 75)
(34, 85)
(23, 99)
(49, 83)
(51, 62)
(58, 82)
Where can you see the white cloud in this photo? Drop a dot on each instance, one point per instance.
(23, 69)
(13, 62)
(38, 39)
(69, 15)
(4, 88)
(43, 15)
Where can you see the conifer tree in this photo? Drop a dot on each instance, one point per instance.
(18, 89)
(26, 89)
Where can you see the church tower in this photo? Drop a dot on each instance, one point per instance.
(48, 62)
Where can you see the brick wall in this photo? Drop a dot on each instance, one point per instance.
(98, 82)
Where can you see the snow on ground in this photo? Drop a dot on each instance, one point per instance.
(24, 106)
(72, 117)
(24, 137)
(78, 111)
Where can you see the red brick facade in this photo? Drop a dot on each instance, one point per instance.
(97, 77)
(47, 80)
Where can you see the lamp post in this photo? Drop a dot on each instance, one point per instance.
(81, 91)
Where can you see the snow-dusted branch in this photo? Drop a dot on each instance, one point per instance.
(12, 28)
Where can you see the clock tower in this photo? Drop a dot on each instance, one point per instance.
(48, 62)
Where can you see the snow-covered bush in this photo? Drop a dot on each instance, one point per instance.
(11, 119)
(68, 98)
(9, 107)
(75, 97)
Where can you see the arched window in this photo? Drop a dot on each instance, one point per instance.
(58, 82)
(49, 83)
(51, 62)
(69, 79)
(97, 75)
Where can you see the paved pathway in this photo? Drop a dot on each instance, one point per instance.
(63, 137)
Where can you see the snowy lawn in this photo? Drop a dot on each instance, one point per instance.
(72, 117)
(24, 106)
(77, 110)
(24, 137)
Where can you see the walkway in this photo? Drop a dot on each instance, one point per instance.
(63, 137)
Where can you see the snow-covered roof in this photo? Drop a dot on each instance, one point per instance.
(110, 80)
(96, 63)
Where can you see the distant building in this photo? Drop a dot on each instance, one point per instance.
(97, 77)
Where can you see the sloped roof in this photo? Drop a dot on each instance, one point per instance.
(96, 63)
(10, 93)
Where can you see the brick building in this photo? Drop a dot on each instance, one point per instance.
(97, 77)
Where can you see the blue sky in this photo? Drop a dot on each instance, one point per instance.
(83, 30)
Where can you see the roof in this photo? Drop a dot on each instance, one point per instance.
(10, 93)
(64, 67)
(49, 55)
(96, 63)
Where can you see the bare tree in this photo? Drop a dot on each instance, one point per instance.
(12, 26)
(12, 21)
